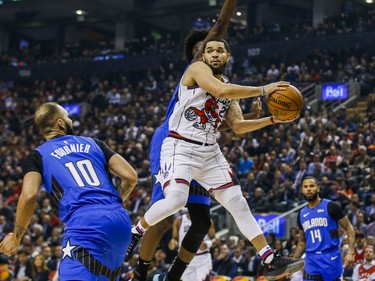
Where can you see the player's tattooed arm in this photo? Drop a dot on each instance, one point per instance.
(124, 189)
(349, 257)
(234, 113)
(301, 245)
(256, 108)
(348, 227)
(128, 176)
(19, 231)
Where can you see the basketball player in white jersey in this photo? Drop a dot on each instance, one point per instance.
(191, 151)
(200, 267)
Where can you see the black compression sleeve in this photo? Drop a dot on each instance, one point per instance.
(108, 152)
(335, 211)
(32, 163)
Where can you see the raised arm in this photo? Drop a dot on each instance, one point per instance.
(128, 176)
(347, 226)
(25, 209)
(220, 28)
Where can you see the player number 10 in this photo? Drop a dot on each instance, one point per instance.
(83, 170)
(315, 236)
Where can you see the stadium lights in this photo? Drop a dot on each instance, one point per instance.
(369, 1)
(79, 12)
(238, 13)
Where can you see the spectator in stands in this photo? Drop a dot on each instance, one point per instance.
(245, 166)
(23, 266)
(365, 270)
(360, 243)
(370, 210)
(258, 203)
(40, 271)
(223, 264)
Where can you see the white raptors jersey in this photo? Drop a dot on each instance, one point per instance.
(198, 114)
(184, 227)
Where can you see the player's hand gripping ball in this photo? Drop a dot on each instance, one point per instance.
(285, 105)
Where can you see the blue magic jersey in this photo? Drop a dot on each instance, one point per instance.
(75, 173)
(320, 227)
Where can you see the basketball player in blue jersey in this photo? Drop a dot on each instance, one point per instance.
(75, 171)
(319, 235)
(204, 90)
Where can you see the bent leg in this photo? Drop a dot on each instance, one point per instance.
(232, 199)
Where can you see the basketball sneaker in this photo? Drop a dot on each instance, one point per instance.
(281, 267)
(134, 241)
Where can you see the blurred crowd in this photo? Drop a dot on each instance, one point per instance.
(336, 148)
(28, 54)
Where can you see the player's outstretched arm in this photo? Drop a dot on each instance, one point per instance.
(25, 209)
(301, 245)
(128, 176)
(200, 73)
(239, 125)
(220, 28)
(348, 227)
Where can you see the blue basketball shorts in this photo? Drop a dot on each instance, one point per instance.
(326, 264)
(95, 243)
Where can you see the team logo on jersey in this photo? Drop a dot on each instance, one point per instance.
(165, 171)
(67, 250)
(320, 210)
(206, 115)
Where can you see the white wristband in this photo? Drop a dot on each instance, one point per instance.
(208, 243)
(263, 91)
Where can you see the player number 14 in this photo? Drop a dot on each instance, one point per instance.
(83, 173)
(315, 236)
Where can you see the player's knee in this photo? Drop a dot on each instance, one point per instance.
(238, 201)
(176, 203)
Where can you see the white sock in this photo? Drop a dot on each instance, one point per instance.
(267, 254)
(138, 229)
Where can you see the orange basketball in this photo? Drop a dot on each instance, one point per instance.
(287, 104)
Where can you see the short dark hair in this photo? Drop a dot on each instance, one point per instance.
(311, 178)
(46, 116)
(193, 38)
(218, 39)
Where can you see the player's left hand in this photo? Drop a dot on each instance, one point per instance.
(256, 106)
(275, 87)
(349, 260)
(9, 244)
(277, 120)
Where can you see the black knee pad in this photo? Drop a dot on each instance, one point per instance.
(200, 217)
(200, 224)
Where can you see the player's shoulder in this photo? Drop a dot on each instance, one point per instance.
(197, 65)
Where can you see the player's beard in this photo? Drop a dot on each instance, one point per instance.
(312, 198)
(218, 70)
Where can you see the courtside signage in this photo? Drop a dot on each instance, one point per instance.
(334, 91)
(277, 226)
